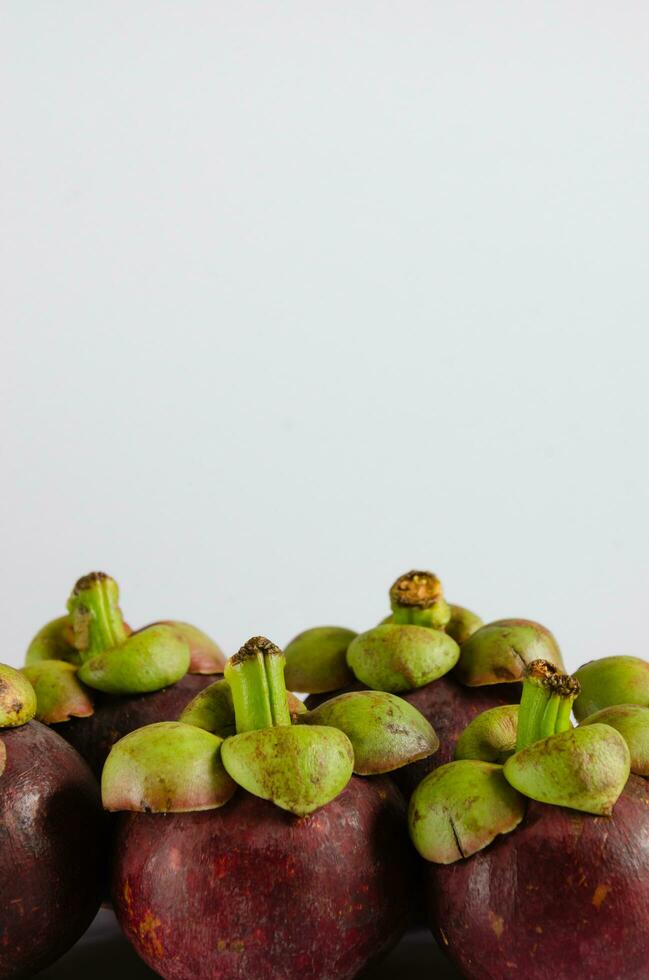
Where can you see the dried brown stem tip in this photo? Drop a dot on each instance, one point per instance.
(546, 674)
(254, 646)
(87, 581)
(419, 590)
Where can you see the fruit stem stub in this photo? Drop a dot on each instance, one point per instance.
(256, 678)
(546, 703)
(417, 599)
(97, 620)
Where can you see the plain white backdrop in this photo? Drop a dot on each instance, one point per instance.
(297, 296)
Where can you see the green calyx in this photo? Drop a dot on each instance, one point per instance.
(168, 767)
(460, 808)
(582, 768)
(54, 641)
(500, 652)
(491, 736)
(17, 698)
(397, 658)
(417, 599)
(298, 768)
(213, 709)
(546, 703)
(109, 656)
(609, 681)
(385, 731)
(59, 694)
(316, 660)
(205, 656)
(462, 624)
(147, 661)
(632, 722)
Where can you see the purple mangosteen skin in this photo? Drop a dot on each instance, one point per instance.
(251, 891)
(117, 715)
(449, 706)
(564, 895)
(52, 848)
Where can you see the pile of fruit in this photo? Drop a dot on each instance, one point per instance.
(242, 832)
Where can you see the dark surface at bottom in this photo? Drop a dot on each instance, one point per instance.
(104, 954)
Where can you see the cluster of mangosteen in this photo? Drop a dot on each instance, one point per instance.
(256, 835)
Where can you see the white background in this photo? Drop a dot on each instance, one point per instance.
(300, 295)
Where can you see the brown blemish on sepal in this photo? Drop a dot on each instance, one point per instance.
(299, 768)
(500, 652)
(17, 698)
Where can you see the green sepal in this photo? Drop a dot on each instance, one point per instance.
(59, 693)
(212, 709)
(632, 722)
(491, 736)
(17, 698)
(611, 680)
(386, 732)
(401, 658)
(460, 808)
(584, 768)
(205, 656)
(168, 767)
(316, 660)
(462, 624)
(300, 768)
(54, 641)
(148, 660)
(500, 652)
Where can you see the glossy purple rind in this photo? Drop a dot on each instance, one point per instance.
(52, 848)
(250, 890)
(565, 894)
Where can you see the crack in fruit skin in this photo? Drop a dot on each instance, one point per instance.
(565, 894)
(249, 890)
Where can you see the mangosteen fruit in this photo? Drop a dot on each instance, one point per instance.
(51, 837)
(96, 679)
(263, 853)
(537, 839)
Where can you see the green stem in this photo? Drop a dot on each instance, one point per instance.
(97, 620)
(256, 678)
(417, 599)
(546, 703)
